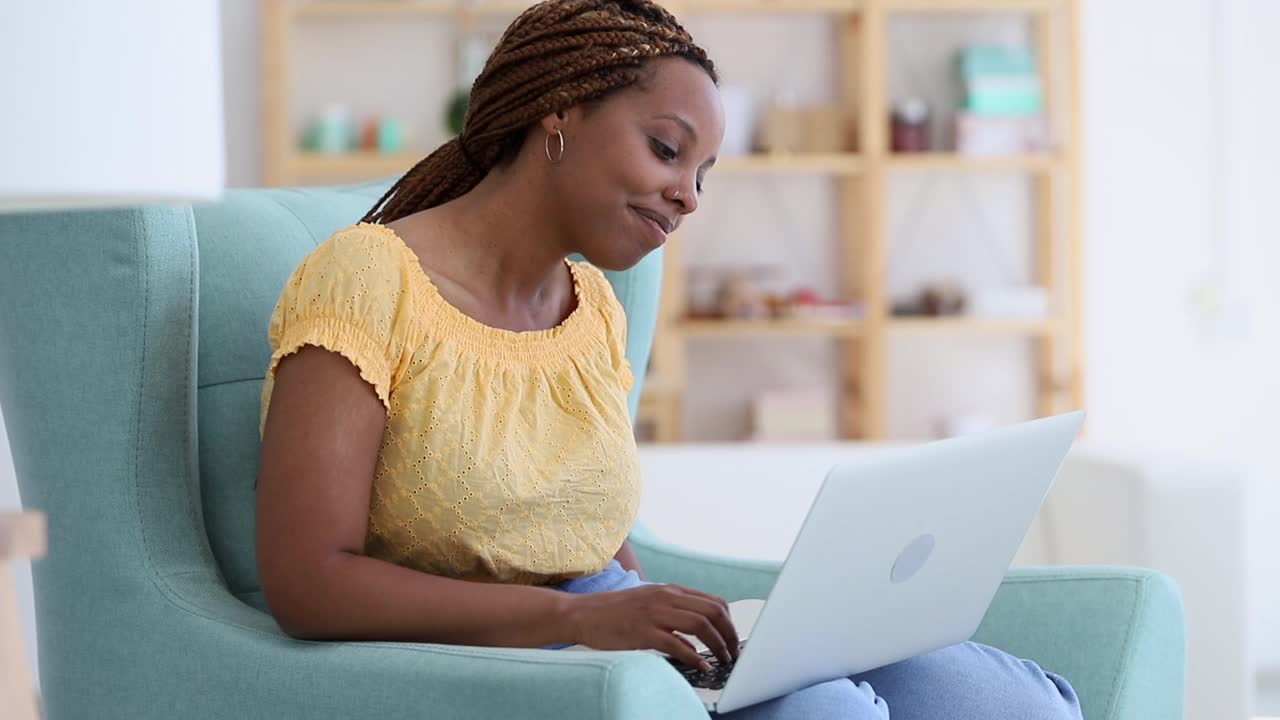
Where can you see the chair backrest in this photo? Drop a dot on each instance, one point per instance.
(132, 351)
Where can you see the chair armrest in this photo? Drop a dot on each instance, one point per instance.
(245, 667)
(730, 578)
(1115, 633)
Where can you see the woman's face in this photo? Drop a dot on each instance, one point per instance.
(634, 164)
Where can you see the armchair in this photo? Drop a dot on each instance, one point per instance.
(132, 350)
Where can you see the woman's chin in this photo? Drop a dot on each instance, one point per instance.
(620, 258)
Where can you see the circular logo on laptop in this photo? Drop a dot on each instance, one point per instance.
(911, 559)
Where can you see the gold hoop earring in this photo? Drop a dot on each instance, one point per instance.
(546, 144)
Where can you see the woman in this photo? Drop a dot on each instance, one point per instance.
(447, 454)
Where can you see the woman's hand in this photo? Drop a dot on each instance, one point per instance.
(647, 618)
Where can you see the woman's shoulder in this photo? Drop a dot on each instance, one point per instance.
(361, 242)
(360, 268)
(358, 258)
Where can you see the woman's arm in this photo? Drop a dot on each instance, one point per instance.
(320, 445)
(627, 558)
(319, 450)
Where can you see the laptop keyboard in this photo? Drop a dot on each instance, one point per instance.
(713, 679)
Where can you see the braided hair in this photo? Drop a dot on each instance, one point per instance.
(555, 55)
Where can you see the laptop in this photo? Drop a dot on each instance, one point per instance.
(900, 554)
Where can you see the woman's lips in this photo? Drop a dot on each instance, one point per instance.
(655, 227)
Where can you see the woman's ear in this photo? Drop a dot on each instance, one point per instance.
(555, 121)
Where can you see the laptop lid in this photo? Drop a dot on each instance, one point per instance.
(901, 554)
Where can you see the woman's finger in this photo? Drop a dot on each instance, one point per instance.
(678, 648)
(693, 623)
(719, 616)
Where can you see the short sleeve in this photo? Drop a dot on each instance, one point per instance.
(350, 295)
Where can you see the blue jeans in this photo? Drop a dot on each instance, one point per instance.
(968, 681)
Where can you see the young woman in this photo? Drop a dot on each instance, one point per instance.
(447, 454)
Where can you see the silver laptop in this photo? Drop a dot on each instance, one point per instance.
(901, 554)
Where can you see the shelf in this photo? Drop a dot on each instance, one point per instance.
(791, 164)
(337, 9)
(955, 162)
(971, 6)
(356, 164)
(750, 328)
(370, 9)
(970, 326)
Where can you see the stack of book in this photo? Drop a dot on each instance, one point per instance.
(1002, 111)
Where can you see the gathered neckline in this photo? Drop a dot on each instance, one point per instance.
(445, 319)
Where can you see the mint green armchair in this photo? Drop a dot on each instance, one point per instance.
(132, 349)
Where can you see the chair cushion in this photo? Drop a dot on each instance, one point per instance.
(249, 242)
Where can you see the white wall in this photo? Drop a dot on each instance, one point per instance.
(1171, 218)
(1252, 161)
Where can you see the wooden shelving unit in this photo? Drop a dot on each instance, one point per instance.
(864, 344)
(861, 179)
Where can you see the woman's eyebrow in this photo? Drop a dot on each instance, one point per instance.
(688, 127)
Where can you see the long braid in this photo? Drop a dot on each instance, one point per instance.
(555, 55)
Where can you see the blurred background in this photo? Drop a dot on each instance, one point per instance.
(930, 217)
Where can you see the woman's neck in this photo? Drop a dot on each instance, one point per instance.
(499, 241)
(512, 234)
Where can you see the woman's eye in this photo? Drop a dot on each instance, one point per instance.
(664, 151)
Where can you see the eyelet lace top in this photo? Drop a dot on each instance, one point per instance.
(507, 456)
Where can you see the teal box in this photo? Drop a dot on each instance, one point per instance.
(1000, 80)
(997, 60)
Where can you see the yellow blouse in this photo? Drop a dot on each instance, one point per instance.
(507, 457)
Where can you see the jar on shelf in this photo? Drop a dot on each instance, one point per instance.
(910, 126)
